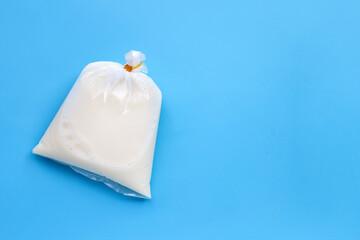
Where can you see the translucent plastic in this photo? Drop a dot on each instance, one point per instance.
(106, 128)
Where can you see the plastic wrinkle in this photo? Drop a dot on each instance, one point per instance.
(117, 81)
(114, 185)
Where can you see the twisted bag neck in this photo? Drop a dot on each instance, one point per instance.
(135, 62)
(122, 82)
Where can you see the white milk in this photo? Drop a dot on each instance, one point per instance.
(108, 123)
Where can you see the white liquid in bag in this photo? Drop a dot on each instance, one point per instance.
(108, 124)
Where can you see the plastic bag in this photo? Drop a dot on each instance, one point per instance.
(106, 128)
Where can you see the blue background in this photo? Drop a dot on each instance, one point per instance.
(259, 130)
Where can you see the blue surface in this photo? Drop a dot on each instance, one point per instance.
(259, 130)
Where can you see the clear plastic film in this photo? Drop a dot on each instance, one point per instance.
(114, 185)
